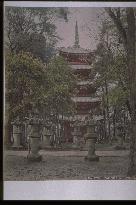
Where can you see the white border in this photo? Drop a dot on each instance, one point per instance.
(69, 189)
(68, 4)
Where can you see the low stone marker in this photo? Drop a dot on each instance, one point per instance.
(120, 133)
(17, 133)
(46, 137)
(90, 137)
(34, 141)
(76, 136)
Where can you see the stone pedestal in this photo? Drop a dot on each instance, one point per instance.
(91, 156)
(17, 133)
(35, 141)
(91, 140)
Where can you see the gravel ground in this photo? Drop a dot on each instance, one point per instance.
(64, 168)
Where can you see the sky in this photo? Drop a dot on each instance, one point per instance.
(89, 21)
(89, 16)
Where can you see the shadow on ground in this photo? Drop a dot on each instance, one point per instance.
(64, 168)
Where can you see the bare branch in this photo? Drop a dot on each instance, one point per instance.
(119, 25)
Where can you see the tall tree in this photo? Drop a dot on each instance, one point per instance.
(32, 30)
(31, 84)
(103, 62)
(59, 90)
(25, 86)
(127, 33)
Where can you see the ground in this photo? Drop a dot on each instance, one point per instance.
(65, 165)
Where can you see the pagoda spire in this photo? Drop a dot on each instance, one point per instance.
(76, 36)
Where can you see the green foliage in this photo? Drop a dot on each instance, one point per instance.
(111, 64)
(117, 96)
(62, 82)
(25, 82)
(32, 30)
(30, 84)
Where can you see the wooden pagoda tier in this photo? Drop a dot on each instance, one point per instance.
(84, 96)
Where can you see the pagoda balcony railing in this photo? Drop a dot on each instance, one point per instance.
(78, 66)
(85, 82)
(84, 95)
(86, 99)
(77, 62)
(82, 117)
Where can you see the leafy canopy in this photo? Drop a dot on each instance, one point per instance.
(30, 84)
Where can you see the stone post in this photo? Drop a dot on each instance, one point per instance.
(120, 138)
(17, 133)
(46, 138)
(35, 140)
(25, 134)
(76, 135)
(91, 140)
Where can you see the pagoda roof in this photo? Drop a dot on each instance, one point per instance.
(76, 50)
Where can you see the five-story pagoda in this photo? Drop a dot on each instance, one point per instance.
(80, 61)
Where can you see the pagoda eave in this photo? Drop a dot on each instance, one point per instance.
(74, 51)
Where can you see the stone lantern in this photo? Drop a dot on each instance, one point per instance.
(34, 140)
(76, 135)
(90, 137)
(17, 133)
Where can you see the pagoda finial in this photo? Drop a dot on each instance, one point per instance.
(76, 36)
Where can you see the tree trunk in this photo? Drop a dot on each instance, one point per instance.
(107, 110)
(128, 39)
(7, 130)
(132, 83)
(114, 123)
(104, 115)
